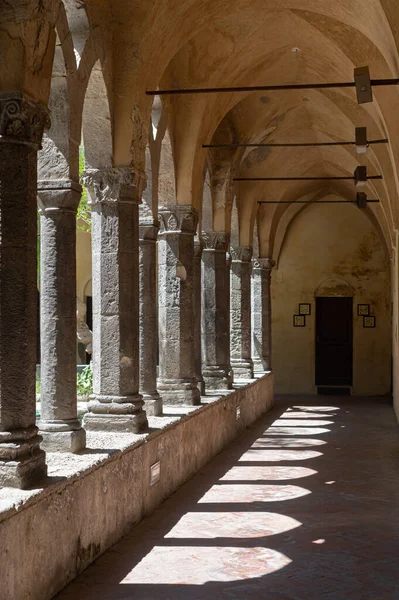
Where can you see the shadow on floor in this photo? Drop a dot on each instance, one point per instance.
(303, 505)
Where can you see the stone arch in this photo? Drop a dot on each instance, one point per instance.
(335, 287)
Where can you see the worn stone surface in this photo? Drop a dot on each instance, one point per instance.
(215, 313)
(261, 314)
(198, 248)
(148, 232)
(299, 507)
(240, 312)
(177, 383)
(104, 490)
(58, 200)
(116, 404)
(22, 462)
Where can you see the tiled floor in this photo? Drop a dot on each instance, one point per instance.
(304, 506)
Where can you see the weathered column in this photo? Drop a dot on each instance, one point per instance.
(240, 312)
(59, 425)
(261, 314)
(116, 404)
(198, 247)
(149, 316)
(177, 382)
(22, 462)
(215, 317)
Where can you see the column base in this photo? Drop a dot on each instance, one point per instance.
(22, 462)
(116, 413)
(217, 378)
(242, 369)
(180, 391)
(153, 404)
(201, 386)
(64, 441)
(260, 366)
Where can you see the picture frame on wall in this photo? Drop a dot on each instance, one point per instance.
(369, 321)
(363, 310)
(299, 321)
(305, 309)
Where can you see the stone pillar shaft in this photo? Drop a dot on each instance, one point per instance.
(116, 404)
(215, 316)
(22, 462)
(240, 313)
(198, 248)
(59, 425)
(177, 382)
(261, 314)
(149, 317)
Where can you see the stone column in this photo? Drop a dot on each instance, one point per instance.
(59, 425)
(215, 316)
(177, 382)
(240, 312)
(261, 314)
(198, 247)
(116, 404)
(22, 462)
(149, 316)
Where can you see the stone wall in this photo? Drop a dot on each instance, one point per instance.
(49, 536)
(331, 250)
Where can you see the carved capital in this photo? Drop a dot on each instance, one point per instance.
(148, 230)
(58, 195)
(216, 240)
(178, 219)
(198, 247)
(241, 253)
(109, 185)
(263, 263)
(22, 119)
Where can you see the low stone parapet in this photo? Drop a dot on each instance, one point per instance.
(50, 535)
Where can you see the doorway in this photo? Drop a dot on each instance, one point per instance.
(334, 341)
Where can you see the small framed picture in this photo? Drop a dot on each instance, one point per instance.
(299, 321)
(305, 309)
(363, 310)
(369, 321)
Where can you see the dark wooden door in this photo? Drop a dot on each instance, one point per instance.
(334, 341)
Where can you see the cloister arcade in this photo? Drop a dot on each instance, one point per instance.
(189, 251)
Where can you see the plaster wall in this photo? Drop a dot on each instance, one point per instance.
(331, 250)
(92, 499)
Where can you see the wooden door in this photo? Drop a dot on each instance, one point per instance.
(334, 341)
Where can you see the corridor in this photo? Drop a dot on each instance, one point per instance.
(303, 506)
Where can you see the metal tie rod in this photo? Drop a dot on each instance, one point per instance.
(301, 178)
(362, 83)
(283, 145)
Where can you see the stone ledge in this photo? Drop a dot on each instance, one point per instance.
(93, 498)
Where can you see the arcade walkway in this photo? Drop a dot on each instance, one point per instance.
(304, 506)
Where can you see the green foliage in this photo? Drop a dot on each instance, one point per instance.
(38, 386)
(84, 214)
(85, 381)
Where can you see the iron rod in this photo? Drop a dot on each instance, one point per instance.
(312, 201)
(269, 88)
(301, 178)
(293, 145)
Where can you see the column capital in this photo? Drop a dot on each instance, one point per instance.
(198, 247)
(178, 218)
(216, 240)
(113, 184)
(241, 253)
(148, 230)
(22, 119)
(58, 195)
(263, 263)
